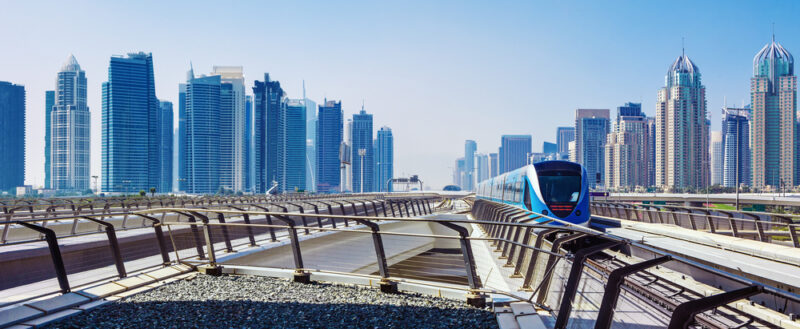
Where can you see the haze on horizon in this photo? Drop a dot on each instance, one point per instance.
(437, 73)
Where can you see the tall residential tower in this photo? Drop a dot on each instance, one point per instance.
(69, 130)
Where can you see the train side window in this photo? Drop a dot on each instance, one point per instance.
(527, 197)
(519, 190)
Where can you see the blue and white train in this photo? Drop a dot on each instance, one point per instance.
(557, 189)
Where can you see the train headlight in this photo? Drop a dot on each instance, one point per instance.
(577, 212)
(544, 212)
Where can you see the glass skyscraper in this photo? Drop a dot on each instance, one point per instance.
(130, 125)
(514, 150)
(773, 91)
(362, 168)
(292, 146)
(564, 135)
(469, 165)
(231, 127)
(736, 146)
(627, 149)
(268, 98)
(681, 130)
(591, 128)
(181, 149)
(202, 140)
(49, 102)
(248, 152)
(384, 159)
(311, 142)
(12, 135)
(69, 130)
(493, 165)
(165, 117)
(329, 139)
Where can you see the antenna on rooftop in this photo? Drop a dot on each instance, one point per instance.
(683, 47)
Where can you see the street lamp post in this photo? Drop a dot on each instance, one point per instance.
(361, 154)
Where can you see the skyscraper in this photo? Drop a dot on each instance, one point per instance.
(494, 167)
(12, 135)
(292, 146)
(469, 165)
(384, 159)
(681, 130)
(49, 102)
(130, 125)
(564, 135)
(481, 167)
(165, 153)
(202, 140)
(249, 172)
(651, 151)
(458, 173)
(773, 92)
(268, 96)
(69, 131)
(627, 149)
(329, 139)
(736, 146)
(514, 151)
(232, 119)
(591, 130)
(363, 158)
(716, 156)
(549, 148)
(182, 140)
(311, 142)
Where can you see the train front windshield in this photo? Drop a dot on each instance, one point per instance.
(560, 185)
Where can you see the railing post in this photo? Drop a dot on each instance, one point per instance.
(759, 228)
(269, 222)
(114, 244)
(528, 277)
(391, 207)
(544, 286)
(196, 234)
(221, 219)
(684, 314)
(302, 218)
(55, 254)
(299, 274)
(386, 285)
(249, 228)
(574, 279)
(474, 297)
(611, 295)
(408, 213)
(162, 245)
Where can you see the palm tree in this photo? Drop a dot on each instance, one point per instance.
(152, 191)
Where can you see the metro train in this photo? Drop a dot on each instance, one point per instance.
(557, 189)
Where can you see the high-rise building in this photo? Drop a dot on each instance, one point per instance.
(681, 130)
(12, 136)
(481, 167)
(292, 146)
(165, 153)
(716, 156)
(268, 97)
(494, 167)
(49, 102)
(363, 158)
(69, 130)
(651, 151)
(346, 158)
(329, 140)
(514, 150)
(311, 142)
(203, 138)
(458, 173)
(627, 149)
(564, 135)
(736, 146)
(549, 148)
(384, 159)
(249, 172)
(591, 130)
(182, 140)
(130, 125)
(232, 119)
(469, 165)
(773, 91)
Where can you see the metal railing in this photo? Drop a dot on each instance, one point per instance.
(761, 226)
(500, 218)
(344, 205)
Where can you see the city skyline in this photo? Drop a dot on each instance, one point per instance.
(741, 30)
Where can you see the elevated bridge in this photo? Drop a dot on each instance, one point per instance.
(642, 263)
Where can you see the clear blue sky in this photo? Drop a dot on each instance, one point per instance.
(436, 72)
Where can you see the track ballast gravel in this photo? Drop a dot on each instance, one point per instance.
(263, 302)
